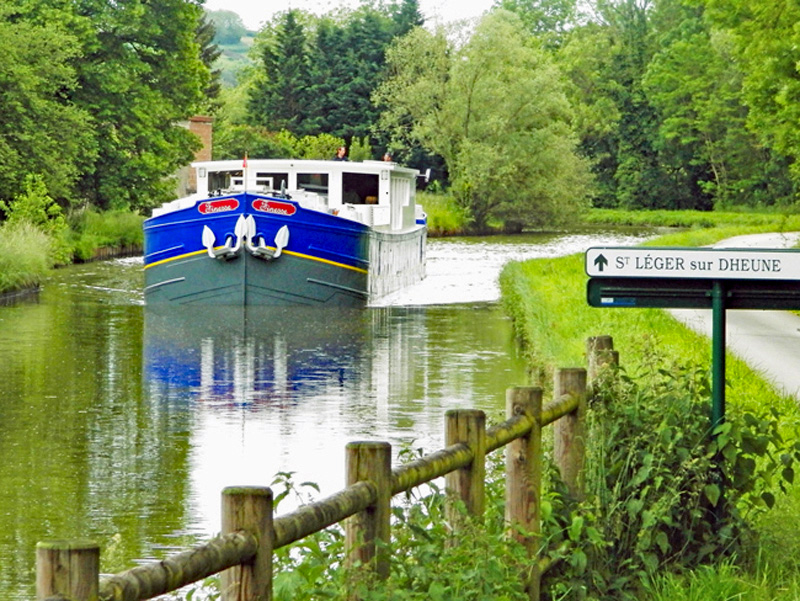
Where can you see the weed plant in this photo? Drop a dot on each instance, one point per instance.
(664, 496)
(429, 561)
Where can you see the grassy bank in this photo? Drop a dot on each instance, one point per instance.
(766, 221)
(547, 300)
(28, 252)
(446, 218)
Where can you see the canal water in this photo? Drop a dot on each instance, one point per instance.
(123, 423)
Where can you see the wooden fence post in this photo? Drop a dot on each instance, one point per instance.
(467, 484)
(568, 434)
(370, 461)
(68, 569)
(524, 480)
(249, 508)
(600, 356)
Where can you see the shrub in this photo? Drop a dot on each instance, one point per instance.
(663, 494)
(36, 208)
(444, 214)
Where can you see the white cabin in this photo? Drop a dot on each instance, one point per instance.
(379, 194)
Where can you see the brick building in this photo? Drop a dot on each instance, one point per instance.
(203, 127)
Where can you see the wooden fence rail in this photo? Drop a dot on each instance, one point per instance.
(242, 554)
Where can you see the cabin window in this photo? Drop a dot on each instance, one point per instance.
(224, 180)
(360, 188)
(272, 181)
(313, 182)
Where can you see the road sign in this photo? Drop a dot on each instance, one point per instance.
(693, 263)
(692, 294)
(696, 278)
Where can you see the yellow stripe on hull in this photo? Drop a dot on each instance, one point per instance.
(285, 252)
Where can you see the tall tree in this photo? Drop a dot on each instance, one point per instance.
(695, 82)
(317, 75)
(42, 131)
(140, 75)
(608, 59)
(280, 97)
(496, 111)
(228, 26)
(548, 20)
(767, 43)
(209, 53)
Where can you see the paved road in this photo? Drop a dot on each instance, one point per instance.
(768, 341)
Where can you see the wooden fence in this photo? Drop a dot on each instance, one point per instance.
(242, 554)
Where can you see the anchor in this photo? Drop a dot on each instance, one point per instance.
(229, 250)
(261, 250)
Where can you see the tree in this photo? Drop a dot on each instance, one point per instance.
(42, 131)
(228, 26)
(317, 74)
(767, 46)
(496, 111)
(140, 75)
(549, 20)
(209, 53)
(696, 85)
(280, 96)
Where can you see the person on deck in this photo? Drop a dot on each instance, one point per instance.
(341, 154)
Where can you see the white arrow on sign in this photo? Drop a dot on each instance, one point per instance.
(693, 263)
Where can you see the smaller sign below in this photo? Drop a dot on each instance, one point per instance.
(693, 263)
(691, 294)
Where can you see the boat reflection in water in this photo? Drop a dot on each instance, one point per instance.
(250, 357)
(265, 390)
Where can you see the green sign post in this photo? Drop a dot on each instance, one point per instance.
(692, 278)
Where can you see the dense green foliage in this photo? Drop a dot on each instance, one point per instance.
(313, 76)
(495, 109)
(24, 256)
(37, 236)
(92, 96)
(678, 108)
(668, 104)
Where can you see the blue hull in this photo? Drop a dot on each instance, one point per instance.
(326, 260)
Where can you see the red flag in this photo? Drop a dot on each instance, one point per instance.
(244, 162)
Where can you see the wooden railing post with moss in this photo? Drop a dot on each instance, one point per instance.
(242, 553)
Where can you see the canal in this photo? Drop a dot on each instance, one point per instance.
(122, 423)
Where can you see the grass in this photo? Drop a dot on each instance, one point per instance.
(546, 298)
(24, 257)
(761, 221)
(445, 217)
(27, 254)
(91, 230)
